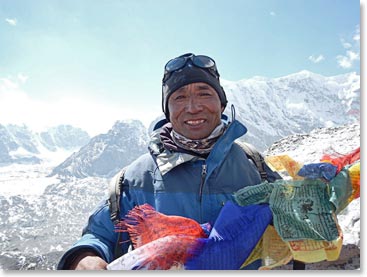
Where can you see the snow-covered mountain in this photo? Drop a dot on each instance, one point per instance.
(64, 136)
(297, 103)
(18, 144)
(341, 139)
(35, 229)
(107, 153)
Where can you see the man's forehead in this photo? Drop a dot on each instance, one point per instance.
(199, 85)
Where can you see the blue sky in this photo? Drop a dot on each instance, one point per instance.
(90, 63)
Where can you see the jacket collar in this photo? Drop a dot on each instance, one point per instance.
(168, 159)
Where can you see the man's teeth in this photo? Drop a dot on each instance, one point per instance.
(195, 122)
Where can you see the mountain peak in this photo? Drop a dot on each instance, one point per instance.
(19, 144)
(272, 108)
(106, 154)
(303, 74)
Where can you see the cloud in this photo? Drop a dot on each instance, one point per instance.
(22, 78)
(347, 60)
(357, 34)
(17, 106)
(272, 13)
(345, 44)
(11, 21)
(316, 59)
(352, 50)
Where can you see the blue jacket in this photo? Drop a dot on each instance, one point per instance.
(175, 184)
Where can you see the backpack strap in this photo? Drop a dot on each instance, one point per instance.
(253, 154)
(115, 190)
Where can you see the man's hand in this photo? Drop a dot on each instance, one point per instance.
(89, 261)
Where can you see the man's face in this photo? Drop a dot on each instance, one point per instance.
(195, 110)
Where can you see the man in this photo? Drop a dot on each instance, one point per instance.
(193, 166)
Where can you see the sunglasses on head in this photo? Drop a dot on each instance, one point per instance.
(200, 61)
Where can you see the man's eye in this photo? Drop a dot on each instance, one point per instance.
(179, 97)
(205, 93)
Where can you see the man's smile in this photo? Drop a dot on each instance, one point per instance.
(195, 122)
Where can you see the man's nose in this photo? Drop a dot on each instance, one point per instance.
(193, 105)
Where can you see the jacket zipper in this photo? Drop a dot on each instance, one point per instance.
(203, 176)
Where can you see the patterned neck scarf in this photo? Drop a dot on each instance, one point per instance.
(200, 146)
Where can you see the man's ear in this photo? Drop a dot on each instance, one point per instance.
(223, 108)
